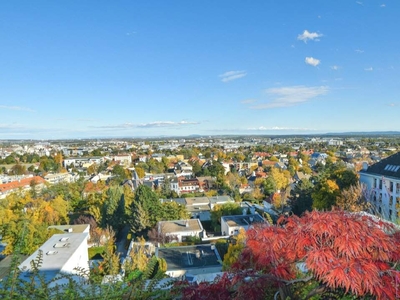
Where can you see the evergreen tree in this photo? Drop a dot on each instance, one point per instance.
(145, 210)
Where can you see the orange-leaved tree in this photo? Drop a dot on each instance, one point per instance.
(338, 252)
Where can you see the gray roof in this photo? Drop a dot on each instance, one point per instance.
(388, 167)
(78, 228)
(189, 257)
(242, 220)
(220, 199)
(197, 201)
(180, 201)
(56, 252)
(189, 225)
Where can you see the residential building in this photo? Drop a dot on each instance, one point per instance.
(198, 207)
(190, 261)
(219, 200)
(231, 225)
(81, 161)
(382, 180)
(181, 185)
(124, 160)
(60, 254)
(181, 229)
(59, 177)
(24, 184)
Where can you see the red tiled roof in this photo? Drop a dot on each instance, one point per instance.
(20, 183)
(268, 163)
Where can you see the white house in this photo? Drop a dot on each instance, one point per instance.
(181, 229)
(382, 180)
(61, 254)
(231, 225)
(58, 178)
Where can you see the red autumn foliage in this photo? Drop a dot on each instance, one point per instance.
(351, 252)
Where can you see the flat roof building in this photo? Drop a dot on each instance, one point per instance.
(191, 260)
(60, 254)
(230, 225)
(181, 229)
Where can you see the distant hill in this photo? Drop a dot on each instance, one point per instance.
(363, 133)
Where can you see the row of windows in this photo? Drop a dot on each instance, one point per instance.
(392, 168)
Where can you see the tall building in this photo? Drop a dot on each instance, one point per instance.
(382, 180)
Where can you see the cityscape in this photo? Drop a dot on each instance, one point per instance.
(199, 150)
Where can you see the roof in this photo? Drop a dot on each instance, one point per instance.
(189, 225)
(190, 257)
(180, 201)
(197, 201)
(198, 208)
(221, 199)
(242, 220)
(389, 167)
(21, 183)
(5, 264)
(78, 228)
(57, 251)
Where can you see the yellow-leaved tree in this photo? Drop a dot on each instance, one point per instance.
(234, 249)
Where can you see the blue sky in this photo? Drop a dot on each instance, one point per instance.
(81, 69)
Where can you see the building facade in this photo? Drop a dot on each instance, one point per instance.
(382, 181)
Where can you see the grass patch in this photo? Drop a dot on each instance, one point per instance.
(95, 252)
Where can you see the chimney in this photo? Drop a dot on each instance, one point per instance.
(186, 223)
(364, 166)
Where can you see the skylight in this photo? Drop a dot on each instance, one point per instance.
(392, 168)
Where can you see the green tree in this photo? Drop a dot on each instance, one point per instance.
(324, 195)
(173, 211)
(18, 169)
(110, 264)
(113, 210)
(235, 249)
(145, 210)
(280, 177)
(219, 210)
(301, 197)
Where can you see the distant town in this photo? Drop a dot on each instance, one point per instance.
(165, 215)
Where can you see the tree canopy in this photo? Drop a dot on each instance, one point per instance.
(322, 253)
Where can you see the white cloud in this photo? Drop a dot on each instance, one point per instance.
(16, 108)
(383, 5)
(359, 51)
(291, 96)
(368, 69)
(156, 124)
(312, 61)
(359, 2)
(166, 124)
(232, 75)
(277, 128)
(306, 35)
(247, 101)
(335, 67)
